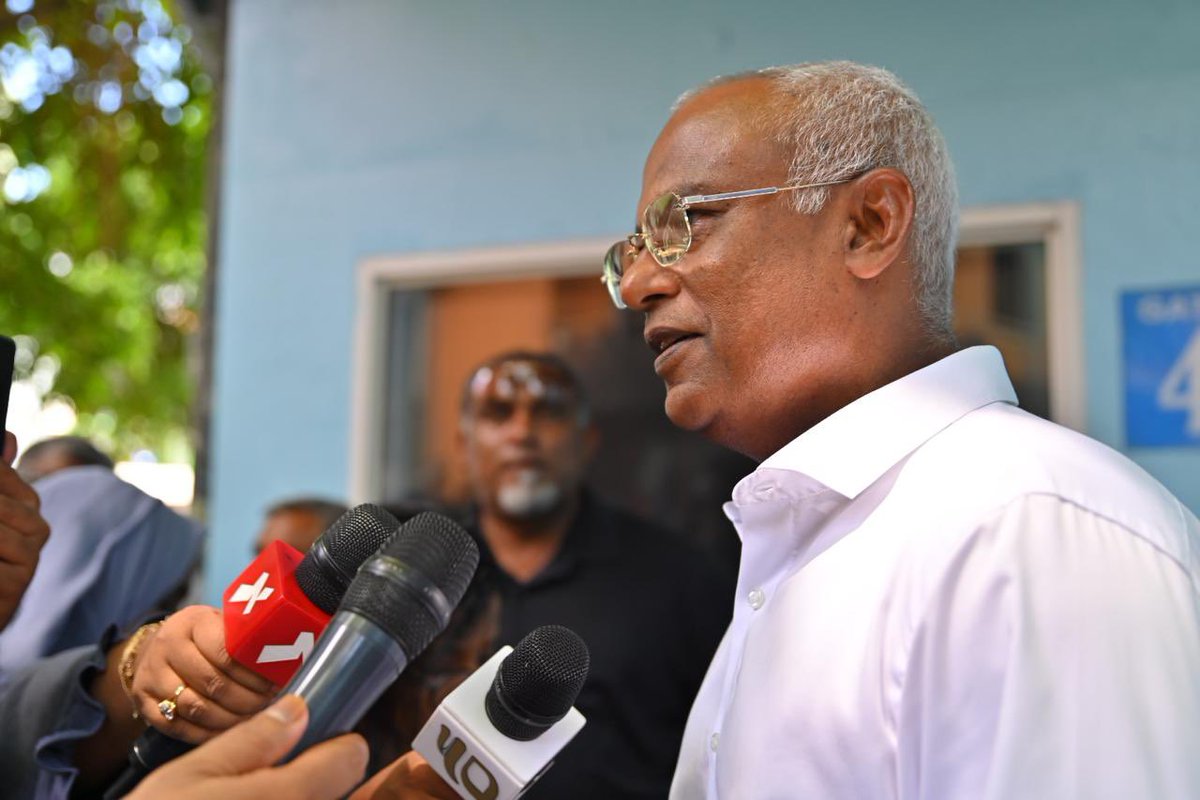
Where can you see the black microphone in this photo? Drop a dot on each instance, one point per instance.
(322, 577)
(333, 560)
(400, 600)
(537, 682)
(498, 732)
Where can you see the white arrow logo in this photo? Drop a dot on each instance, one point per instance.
(252, 592)
(300, 649)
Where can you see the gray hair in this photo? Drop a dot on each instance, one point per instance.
(840, 119)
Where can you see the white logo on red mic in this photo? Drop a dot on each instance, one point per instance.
(252, 592)
(273, 653)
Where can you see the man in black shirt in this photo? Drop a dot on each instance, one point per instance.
(650, 608)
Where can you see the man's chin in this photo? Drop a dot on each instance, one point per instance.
(693, 409)
(689, 408)
(528, 505)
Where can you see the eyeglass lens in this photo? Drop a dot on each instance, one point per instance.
(667, 235)
(667, 231)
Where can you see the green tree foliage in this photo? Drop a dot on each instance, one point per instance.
(104, 115)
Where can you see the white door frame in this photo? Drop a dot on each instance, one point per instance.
(1055, 224)
(379, 275)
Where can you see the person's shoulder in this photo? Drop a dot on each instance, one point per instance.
(1007, 453)
(998, 457)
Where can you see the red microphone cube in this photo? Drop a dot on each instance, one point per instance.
(270, 625)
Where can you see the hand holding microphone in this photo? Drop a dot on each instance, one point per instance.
(407, 778)
(396, 603)
(237, 765)
(185, 683)
(274, 611)
(203, 671)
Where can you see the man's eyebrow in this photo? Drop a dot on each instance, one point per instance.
(689, 189)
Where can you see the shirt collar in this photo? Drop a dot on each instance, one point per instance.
(855, 446)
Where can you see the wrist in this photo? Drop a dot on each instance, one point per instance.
(127, 666)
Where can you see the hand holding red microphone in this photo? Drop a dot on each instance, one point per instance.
(186, 685)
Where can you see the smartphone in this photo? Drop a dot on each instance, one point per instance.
(8, 353)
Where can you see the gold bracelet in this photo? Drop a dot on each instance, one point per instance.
(129, 656)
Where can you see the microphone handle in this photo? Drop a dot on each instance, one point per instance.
(151, 750)
(354, 662)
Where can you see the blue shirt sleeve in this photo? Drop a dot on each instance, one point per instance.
(45, 711)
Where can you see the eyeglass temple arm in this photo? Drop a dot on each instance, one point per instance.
(693, 199)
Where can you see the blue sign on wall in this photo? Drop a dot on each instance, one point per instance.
(1162, 366)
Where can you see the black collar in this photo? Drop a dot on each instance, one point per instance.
(581, 543)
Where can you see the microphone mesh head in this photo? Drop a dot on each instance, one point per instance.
(330, 564)
(435, 555)
(537, 682)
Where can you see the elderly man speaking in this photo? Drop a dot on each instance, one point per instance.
(940, 595)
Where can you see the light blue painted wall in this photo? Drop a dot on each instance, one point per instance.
(399, 125)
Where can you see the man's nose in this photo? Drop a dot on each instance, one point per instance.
(521, 423)
(645, 282)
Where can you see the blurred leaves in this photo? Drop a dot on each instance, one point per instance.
(104, 115)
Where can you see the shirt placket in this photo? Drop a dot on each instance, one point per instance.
(776, 524)
(763, 522)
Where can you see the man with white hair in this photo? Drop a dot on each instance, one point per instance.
(940, 595)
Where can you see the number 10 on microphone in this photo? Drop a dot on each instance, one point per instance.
(481, 761)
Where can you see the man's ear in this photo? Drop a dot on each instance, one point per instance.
(881, 209)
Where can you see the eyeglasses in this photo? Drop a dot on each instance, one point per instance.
(552, 394)
(667, 232)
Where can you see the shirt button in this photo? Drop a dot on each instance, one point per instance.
(713, 741)
(756, 598)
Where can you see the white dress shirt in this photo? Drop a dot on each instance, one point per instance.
(942, 596)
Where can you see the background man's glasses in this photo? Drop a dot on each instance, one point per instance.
(667, 232)
(495, 391)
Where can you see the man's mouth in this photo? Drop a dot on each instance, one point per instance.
(663, 339)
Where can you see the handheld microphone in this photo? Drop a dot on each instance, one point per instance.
(498, 732)
(400, 600)
(273, 612)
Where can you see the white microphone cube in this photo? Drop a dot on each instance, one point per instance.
(475, 759)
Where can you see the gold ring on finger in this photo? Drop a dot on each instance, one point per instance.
(168, 705)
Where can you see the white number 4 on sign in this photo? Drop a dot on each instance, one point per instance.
(1180, 390)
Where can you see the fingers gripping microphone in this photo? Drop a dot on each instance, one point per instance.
(401, 598)
(497, 733)
(274, 611)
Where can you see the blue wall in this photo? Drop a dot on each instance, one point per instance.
(359, 128)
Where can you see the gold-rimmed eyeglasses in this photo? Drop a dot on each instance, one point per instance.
(666, 230)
